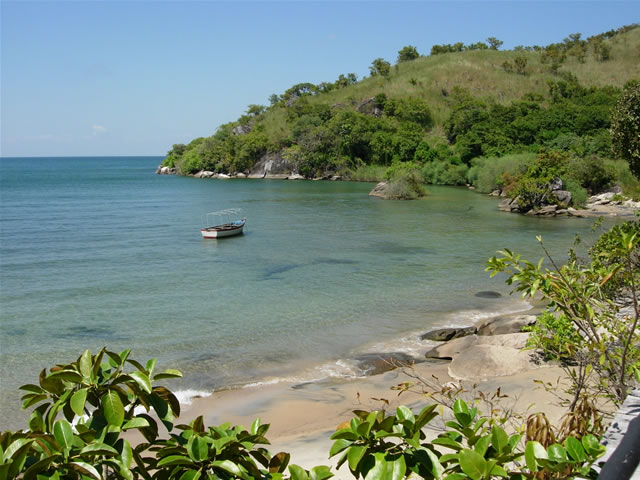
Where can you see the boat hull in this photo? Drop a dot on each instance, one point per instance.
(221, 231)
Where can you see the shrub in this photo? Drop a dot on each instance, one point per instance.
(579, 195)
(405, 181)
(488, 174)
(556, 335)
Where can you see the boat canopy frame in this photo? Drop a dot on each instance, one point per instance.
(224, 217)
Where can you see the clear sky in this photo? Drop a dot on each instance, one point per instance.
(135, 77)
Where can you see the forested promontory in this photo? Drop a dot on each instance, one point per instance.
(457, 115)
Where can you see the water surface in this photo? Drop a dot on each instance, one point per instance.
(101, 251)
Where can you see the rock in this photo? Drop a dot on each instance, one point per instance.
(481, 362)
(335, 178)
(564, 197)
(495, 193)
(380, 190)
(546, 210)
(241, 129)
(456, 346)
(376, 363)
(505, 324)
(369, 107)
(446, 334)
(562, 211)
(272, 163)
(555, 184)
(615, 189)
(508, 205)
(223, 175)
(295, 176)
(488, 294)
(241, 175)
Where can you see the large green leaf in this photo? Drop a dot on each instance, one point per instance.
(298, 473)
(404, 413)
(136, 422)
(78, 400)
(499, 439)
(279, 462)
(575, 449)
(532, 452)
(175, 460)
(97, 448)
(64, 433)
(231, 467)
(142, 380)
(321, 472)
(339, 445)
(354, 456)
(472, 464)
(85, 469)
(198, 448)
(69, 375)
(84, 364)
(112, 408)
(191, 475)
(171, 373)
(557, 453)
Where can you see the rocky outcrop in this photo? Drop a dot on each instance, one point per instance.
(271, 165)
(381, 190)
(166, 170)
(446, 334)
(241, 129)
(369, 107)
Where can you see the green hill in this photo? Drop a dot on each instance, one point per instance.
(445, 113)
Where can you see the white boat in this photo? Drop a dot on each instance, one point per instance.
(221, 224)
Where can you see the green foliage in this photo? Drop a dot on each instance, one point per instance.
(489, 174)
(408, 53)
(579, 194)
(380, 67)
(376, 445)
(625, 125)
(405, 181)
(577, 290)
(555, 335)
(494, 43)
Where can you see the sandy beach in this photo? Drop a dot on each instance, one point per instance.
(303, 416)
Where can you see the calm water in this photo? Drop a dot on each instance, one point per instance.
(100, 251)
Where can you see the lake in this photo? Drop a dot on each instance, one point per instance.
(101, 251)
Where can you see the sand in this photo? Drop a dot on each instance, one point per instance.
(303, 416)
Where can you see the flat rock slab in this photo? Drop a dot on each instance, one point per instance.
(481, 362)
(505, 324)
(455, 347)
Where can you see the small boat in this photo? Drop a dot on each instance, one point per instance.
(220, 224)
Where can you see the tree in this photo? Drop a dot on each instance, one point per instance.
(255, 110)
(274, 98)
(380, 67)
(521, 65)
(494, 43)
(408, 53)
(625, 126)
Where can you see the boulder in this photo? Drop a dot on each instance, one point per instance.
(481, 362)
(505, 324)
(446, 334)
(546, 210)
(223, 175)
(508, 205)
(555, 184)
(241, 129)
(495, 193)
(295, 176)
(369, 107)
(272, 163)
(241, 175)
(380, 190)
(455, 347)
(564, 197)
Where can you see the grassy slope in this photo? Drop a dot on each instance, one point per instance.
(482, 73)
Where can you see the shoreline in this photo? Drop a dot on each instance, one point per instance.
(304, 415)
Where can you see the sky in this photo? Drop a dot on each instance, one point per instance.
(103, 78)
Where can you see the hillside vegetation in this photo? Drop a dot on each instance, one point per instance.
(450, 116)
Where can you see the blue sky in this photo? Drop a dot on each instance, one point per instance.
(135, 77)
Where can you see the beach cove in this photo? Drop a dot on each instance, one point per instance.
(323, 277)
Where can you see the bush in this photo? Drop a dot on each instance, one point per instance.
(405, 181)
(488, 174)
(555, 335)
(579, 195)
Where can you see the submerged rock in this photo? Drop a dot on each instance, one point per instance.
(488, 294)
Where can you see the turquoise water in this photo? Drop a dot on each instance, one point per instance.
(101, 251)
